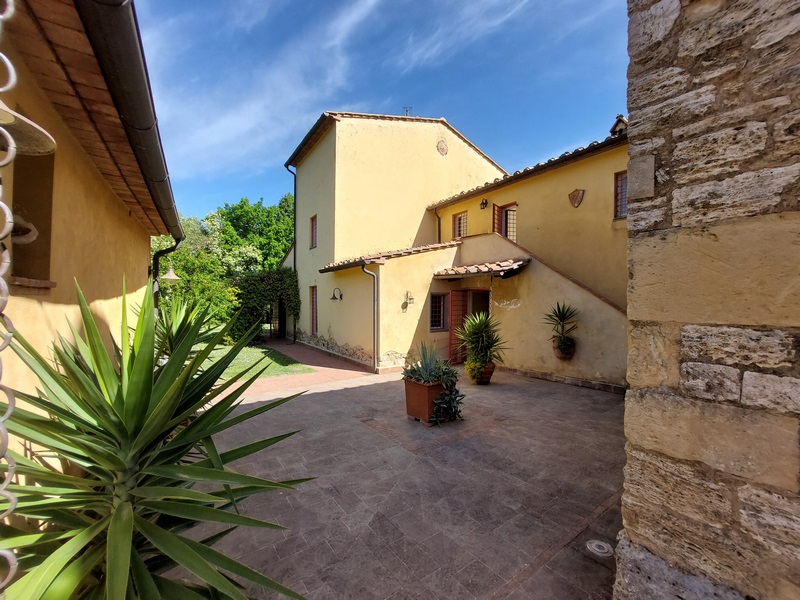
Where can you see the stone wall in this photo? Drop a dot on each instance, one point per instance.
(712, 486)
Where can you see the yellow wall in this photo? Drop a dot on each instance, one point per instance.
(520, 304)
(94, 239)
(404, 326)
(387, 173)
(584, 242)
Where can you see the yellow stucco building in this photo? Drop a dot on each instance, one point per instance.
(87, 197)
(391, 251)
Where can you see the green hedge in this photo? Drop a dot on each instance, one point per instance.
(258, 291)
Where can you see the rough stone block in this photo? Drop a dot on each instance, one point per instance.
(752, 444)
(711, 382)
(658, 86)
(727, 556)
(680, 487)
(745, 195)
(742, 271)
(719, 152)
(641, 575)
(758, 111)
(652, 25)
(649, 215)
(770, 391)
(787, 135)
(717, 27)
(676, 111)
(773, 519)
(653, 354)
(768, 349)
(777, 32)
(641, 177)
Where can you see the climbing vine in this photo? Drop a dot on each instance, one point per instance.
(261, 292)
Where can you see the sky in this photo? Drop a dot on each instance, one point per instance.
(238, 83)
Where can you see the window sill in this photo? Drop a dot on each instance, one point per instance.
(443, 329)
(31, 287)
(621, 218)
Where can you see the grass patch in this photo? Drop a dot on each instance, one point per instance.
(279, 364)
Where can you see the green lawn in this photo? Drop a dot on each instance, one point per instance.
(279, 364)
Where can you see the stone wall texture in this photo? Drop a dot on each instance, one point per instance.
(712, 485)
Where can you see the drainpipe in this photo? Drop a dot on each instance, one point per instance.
(438, 226)
(375, 306)
(294, 239)
(155, 269)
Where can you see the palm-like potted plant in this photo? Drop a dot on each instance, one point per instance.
(564, 319)
(136, 427)
(481, 337)
(431, 393)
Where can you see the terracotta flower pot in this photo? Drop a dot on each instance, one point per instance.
(419, 399)
(486, 375)
(560, 354)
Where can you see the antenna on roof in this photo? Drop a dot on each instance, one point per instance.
(407, 110)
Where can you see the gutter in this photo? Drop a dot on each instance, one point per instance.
(113, 31)
(375, 322)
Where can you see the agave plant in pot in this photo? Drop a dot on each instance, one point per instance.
(136, 426)
(431, 393)
(564, 319)
(481, 337)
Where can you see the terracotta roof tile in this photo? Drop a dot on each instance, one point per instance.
(502, 268)
(381, 257)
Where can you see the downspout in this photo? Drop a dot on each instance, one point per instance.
(438, 226)
(375, 307)
(155, 270)
(294, 239)
(113, 32)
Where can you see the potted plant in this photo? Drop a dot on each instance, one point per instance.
(564, 319)
(480, 336)
(138, 434)
(431, 393)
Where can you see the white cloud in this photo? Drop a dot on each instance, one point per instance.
(453, 27)
(245, 117)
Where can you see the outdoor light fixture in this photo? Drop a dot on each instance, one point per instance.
(170, 275)
(409, 298)
(334, 296)
(484, 203)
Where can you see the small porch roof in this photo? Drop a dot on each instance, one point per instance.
(380, 258)
(503, 268)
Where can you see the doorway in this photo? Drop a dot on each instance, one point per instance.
(462, 304)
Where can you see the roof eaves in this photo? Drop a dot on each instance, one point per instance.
(542, 167)
(380, 258)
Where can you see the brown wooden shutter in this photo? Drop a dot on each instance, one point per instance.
(497, 219)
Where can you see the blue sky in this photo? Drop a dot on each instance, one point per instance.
(238, 83)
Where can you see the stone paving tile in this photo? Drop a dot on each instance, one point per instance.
(497, 506)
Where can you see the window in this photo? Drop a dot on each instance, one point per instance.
(313, 232)
(621, 195)
(504, 221)
(314, 316)
(460, 225)
(438, 312)
(33, 208)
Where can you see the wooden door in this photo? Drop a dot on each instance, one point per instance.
(458, 312)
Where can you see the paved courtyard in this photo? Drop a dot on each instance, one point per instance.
(497, 506)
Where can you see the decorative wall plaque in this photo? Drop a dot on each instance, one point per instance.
(576, 197)
(441, 146)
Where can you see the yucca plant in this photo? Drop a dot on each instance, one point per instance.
(175, 317)
(140, 436)
(564, 319)
(481, 337)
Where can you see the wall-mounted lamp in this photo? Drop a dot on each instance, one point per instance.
(170, 275)
(484, 203)
(334, 296)
(409, 298)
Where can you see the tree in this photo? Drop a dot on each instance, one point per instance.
(267, 229)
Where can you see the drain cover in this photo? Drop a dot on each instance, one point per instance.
(600, 548)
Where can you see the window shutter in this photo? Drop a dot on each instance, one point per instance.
(497, 219)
